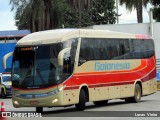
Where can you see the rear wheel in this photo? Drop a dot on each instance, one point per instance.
(82, 101)
(137, 95)
(104, 102)
(39, 109)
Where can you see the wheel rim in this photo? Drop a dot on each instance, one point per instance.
(138, 94)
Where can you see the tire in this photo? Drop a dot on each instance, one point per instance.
(39, 109)
(100, 103)
(82, 101)
(3, 94)
(137, 94)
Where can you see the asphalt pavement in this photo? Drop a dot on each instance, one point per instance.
(148, 108)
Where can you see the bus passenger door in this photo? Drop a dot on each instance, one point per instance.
(69, 92)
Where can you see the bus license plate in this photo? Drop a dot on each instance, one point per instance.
(34, 102)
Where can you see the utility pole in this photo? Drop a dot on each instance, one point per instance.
(117, 11)
(151, 22)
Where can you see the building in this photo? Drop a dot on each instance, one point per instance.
(8, 41)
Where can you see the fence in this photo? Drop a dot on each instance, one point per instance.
(158, 65)
(158, 69)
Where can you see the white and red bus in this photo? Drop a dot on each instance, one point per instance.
(73, 66)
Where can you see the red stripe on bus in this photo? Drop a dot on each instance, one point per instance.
(149, 76)
(71, 87)
(141, 36)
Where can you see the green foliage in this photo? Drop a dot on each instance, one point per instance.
(155, 2)
(37, 15)
(156, 10)
(103, 12)
(71, 17)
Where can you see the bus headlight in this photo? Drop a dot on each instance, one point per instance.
(55, 100)
(16, 102)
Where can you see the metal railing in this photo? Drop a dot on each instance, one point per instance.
(158, 65)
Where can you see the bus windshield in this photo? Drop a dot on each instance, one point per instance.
(37, 66)
(6, 78)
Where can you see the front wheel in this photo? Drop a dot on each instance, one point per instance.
(39, 109)
(82, 101)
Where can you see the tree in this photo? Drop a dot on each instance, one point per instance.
(81, 6)
(156, 10)
(103, 12)
(71, 18)
(93, 12)
(136, 4)
(36, 15)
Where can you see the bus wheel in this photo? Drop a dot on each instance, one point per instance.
(104, 102)
(39, 109)
(3, 94)
(137, 94)
(82, 101)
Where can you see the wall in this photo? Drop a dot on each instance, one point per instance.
(4, 49)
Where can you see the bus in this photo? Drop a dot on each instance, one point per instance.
(64, 67)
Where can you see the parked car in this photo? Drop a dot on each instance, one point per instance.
(5, 84)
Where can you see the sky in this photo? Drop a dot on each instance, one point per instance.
(6, 16)
(7, 21)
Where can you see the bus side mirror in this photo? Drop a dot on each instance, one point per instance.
(61, 54)
(5, 59)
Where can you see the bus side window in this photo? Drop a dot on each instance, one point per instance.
(67, 63)
(81, 60)
(83, 52)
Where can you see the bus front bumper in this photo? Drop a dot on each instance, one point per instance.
(47, 101)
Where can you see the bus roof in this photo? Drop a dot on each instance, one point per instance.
(59, 35)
